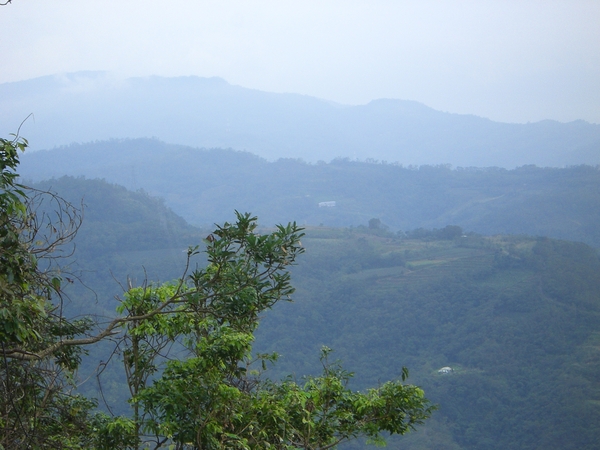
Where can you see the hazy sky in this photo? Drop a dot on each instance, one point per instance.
(512, 61)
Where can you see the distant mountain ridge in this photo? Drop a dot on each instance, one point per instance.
(206, 185)
(209, 112)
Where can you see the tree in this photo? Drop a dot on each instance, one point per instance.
(37, 406)
(186, 347)
(210, 396)
(323, 412)
(374, 224)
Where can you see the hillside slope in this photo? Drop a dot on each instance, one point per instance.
(205, 186)
(123, 235)
(517, 320)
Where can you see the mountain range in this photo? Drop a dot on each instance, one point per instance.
(209, 112)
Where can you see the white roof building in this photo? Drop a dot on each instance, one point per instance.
(326, 204)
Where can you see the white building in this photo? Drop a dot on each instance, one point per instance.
(326, 204)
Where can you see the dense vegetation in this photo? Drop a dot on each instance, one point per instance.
(204, 186)
(185, 345)
(36, 398)
(514, 316)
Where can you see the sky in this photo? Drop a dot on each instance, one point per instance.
(510, 61)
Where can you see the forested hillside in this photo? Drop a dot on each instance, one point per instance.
(205, 186)
(126, 238)
(516, 318)
(123, 233)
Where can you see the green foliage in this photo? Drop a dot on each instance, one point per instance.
(210, 396)
(37, 409)
(186, 348)
(515, 317)
(17, 264)
(114, 432)
(323, 412)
